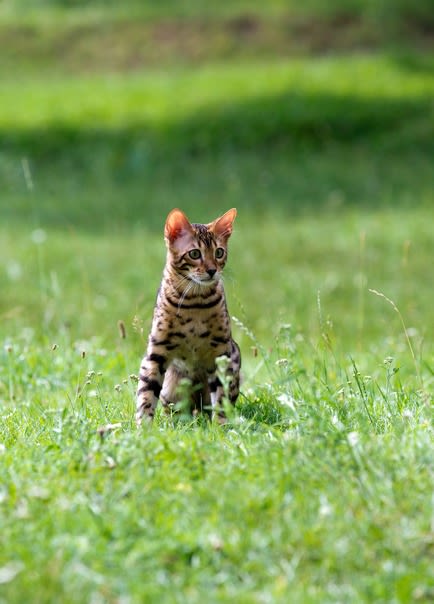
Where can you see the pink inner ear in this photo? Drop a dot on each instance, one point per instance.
(222, 227)
(177, 224)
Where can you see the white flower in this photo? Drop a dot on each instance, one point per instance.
(287, 400)
(39, 236)
(10, 571)
(353, 439)
(337, 422)
(325, 509)
(14, 270)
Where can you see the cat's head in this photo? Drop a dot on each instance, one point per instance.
(198, 252)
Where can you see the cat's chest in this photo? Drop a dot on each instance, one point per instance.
(195, 330)
(197, 342)
(202, 340)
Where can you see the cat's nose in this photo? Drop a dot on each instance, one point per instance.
(211, 272)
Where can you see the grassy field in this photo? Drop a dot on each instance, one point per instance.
(320, 487)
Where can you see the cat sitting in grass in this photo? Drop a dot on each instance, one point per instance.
(191, 326)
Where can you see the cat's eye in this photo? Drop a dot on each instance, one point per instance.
(194, 254)
(219, 253)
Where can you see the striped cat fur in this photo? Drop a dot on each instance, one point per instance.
(191, 325)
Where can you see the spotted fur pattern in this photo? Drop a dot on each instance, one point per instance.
(191, 325)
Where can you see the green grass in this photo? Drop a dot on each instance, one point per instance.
(288, 123)
(319, 489)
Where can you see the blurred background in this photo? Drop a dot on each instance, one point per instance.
(314, 119)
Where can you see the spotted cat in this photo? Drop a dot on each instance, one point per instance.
(191, 325)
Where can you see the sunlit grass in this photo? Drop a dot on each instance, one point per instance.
(312, 488)
(156, 98)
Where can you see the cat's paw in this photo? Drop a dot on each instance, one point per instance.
(143, 420)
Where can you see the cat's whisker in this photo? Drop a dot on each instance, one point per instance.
(189, 286)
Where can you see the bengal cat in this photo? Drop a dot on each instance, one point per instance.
(191, 325)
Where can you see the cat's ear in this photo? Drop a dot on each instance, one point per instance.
(177, 224)
(222, 227)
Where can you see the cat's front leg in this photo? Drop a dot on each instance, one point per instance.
(234, 371)
(216, 389)
(151, 379)
(216, 394)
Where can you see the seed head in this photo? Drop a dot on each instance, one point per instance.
(122, 330)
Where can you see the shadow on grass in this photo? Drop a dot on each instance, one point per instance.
(286, 121)
(414, 63)
(293, 151)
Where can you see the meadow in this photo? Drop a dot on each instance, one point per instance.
(319, 488)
